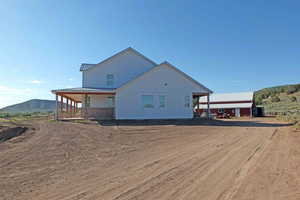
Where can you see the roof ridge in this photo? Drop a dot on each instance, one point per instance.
(86, 66)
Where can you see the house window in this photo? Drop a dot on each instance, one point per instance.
(87, 101)
(147, 101)
(187, 101)
(110, 102)
(162, 101)
(109, 79)
(221, 110)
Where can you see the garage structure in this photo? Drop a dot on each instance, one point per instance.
(228, 104)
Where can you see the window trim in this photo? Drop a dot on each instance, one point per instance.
(162, 104)
(187, 101)
(110, 79)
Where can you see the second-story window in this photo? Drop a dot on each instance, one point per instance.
(109, 79)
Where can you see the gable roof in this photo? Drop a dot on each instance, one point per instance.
(85, 66)
(173, 68)
(230, 97)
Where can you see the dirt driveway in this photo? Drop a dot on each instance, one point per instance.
(246, 159)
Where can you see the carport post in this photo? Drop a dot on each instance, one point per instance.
(208, 108)
(198, 103)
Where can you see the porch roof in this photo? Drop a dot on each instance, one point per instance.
(81, 90)
(76, 94)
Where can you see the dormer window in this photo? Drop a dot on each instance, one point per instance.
(109, 79)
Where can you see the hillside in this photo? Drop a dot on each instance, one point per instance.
(284, 100)
(33, 105)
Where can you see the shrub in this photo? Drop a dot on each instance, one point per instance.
(293, 99)
(275, 99)
(4, 115)
(291, 89)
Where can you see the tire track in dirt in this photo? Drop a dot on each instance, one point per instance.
(175, 157)
(243, 171)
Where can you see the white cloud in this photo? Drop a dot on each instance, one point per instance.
(70, 79)
(36, 82)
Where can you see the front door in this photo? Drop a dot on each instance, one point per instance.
(237, 112)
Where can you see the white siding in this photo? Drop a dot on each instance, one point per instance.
(124, 67)
(160, 81)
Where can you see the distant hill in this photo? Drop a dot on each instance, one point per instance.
(33, 105)
(284, 99)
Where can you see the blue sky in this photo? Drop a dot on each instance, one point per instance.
(229, 46)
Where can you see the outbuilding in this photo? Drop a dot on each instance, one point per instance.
(228, 105)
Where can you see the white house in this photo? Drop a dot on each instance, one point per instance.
(130, 86)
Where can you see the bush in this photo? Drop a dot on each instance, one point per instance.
(275, 99)
(4, 115)
(291, 89)
(293, 99)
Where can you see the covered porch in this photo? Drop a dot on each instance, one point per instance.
(196, 105)
(84, 103)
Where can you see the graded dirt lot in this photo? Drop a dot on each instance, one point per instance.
(247, 159)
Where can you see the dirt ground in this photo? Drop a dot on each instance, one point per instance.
(247, 159)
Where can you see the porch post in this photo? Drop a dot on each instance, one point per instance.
(61, 103)
(56, 103)
(71, 106)
(67, 105)
(85, 107)
(208, 107)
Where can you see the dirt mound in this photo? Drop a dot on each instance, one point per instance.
(11, 132)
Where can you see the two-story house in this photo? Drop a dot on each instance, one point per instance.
(130, 86)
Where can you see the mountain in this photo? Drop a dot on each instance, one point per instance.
(284, 99)
(33, 105)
